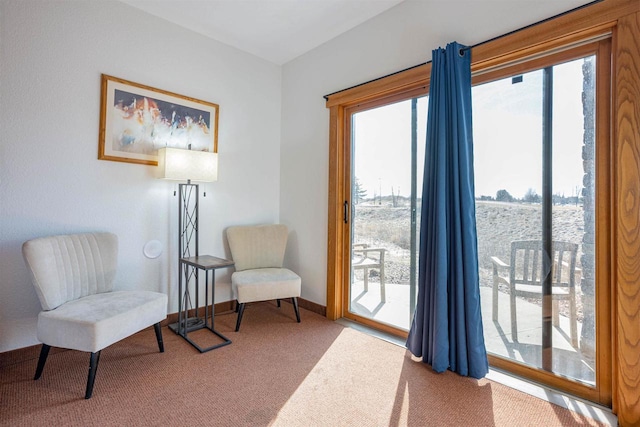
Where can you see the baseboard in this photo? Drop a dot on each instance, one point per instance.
(220, 307)
(308, 305)
(312, 306)
(227, 306)
(19, 355)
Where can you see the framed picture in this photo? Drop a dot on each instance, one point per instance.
(137, 120)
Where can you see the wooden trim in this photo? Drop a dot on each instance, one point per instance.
(401, 82)
(377, 325)
(336, 197)
(564, 55)
(614, 225)
(345, 228)
(220, 308)
(603, 212)
(531, 52)
(307, 305)
(369, 104)
(565, 30)
(627, 180)
(228, 306)
(544, 378)
(417, 78)
(561, 30)
(312, 306)
(615, 219)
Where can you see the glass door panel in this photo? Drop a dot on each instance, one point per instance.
(573, 216)
(386, 177)
(507, 117)
(534, 146)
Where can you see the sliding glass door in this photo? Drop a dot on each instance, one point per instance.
(543, 213)
(535, 170)
(387, 154)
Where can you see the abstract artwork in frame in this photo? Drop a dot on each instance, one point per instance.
(137, 120)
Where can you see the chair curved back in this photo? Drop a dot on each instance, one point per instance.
(66, 268)
(258, 246)
(527, 263)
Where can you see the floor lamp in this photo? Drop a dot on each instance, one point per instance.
(187, 165)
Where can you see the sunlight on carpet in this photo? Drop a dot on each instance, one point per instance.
(349, 387)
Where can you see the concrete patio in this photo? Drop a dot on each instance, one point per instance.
(567, 361)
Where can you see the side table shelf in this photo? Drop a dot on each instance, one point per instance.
(188, 268)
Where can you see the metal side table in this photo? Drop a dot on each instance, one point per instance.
(188, 268)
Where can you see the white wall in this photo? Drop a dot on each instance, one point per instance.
(402, 37)
(51, 58)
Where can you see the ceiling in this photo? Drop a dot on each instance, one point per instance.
(275, 30)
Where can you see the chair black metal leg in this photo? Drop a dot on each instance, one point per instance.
(240, 313)
(295, 307)
(237, 306)
(278, 301)
(93, 368)
(158, 329)
(44, 352)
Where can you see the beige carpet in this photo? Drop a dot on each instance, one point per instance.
(276, 372)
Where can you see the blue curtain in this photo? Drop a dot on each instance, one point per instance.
(447, 326)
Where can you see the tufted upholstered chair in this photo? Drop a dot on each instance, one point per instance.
(73, 277)
(258, 253)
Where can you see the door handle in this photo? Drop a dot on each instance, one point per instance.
(346, 212)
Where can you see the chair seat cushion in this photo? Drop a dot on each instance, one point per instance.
(97, 321)
(263, 284)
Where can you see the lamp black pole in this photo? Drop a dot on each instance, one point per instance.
(187, 247)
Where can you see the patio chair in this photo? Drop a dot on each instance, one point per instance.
(365, 258)
(525, 280)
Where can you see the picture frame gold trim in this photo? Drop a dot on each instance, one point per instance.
(136, 120)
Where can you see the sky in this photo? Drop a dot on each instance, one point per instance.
(507, 123)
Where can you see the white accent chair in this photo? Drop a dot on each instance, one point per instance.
(258, 253)
(73, 276)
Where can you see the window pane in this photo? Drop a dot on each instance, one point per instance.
(507, 119)
(574, 214)
(381, 288)
(508, 148)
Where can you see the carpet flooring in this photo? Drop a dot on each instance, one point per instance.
(275, 373)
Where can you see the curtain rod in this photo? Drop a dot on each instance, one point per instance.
(326, 97)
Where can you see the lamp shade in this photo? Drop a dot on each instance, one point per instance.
(183, 165)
